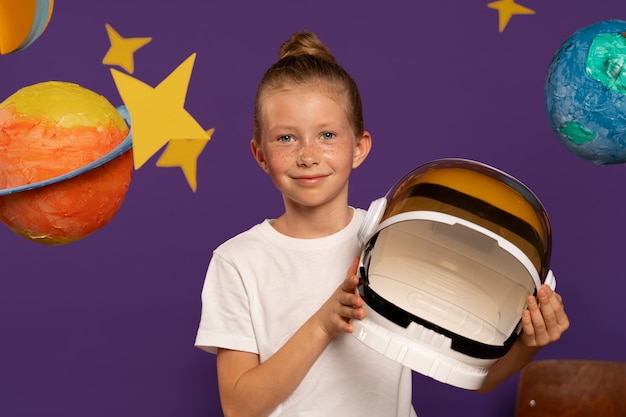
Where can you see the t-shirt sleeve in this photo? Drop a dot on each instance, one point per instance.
(225, 321)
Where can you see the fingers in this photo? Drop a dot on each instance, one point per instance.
(344, 305)
(342, 308)
(350, 302)
(348, 312)
(545, 320)
(530, 321)
(559, 310)
(355, 266)
(349, 299)
(349, 284)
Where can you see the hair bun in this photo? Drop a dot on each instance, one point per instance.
(305, 43)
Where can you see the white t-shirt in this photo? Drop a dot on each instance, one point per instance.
(261, 286)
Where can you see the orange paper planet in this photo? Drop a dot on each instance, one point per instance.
(48, 130)
(22, 22)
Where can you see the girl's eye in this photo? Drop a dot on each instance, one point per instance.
(285, 138)
(328, 135)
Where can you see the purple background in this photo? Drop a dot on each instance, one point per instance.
(105, 326)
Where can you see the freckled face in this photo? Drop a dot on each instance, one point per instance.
(308, 147)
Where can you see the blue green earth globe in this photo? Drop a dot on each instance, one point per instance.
(585, 93)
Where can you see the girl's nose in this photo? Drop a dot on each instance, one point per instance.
(308, 154)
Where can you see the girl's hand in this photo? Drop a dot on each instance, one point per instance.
(545, 320)
(345, 304)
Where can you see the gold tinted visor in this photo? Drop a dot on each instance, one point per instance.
(481, 195)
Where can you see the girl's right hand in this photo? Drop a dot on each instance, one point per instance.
(343, 305)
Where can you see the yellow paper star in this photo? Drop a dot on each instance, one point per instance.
(157, 114)
(506, 9)
(122, 49)
(184, 153)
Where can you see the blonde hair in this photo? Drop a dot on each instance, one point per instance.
(305, 60)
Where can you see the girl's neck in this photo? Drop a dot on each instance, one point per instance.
(311, 223)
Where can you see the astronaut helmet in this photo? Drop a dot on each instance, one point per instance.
(451, 254)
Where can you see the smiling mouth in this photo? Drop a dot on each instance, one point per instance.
(310, 180)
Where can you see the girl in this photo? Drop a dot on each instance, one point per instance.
(277, 302)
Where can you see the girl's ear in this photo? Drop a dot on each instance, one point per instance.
(362, 149)
(259, 156)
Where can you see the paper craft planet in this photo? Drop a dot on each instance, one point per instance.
(450, 256)
(22, 22)
(65, 164)
(585, 93)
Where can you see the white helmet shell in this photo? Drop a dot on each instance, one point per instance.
(451, 254)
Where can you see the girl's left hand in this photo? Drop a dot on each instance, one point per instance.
(545, 320)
